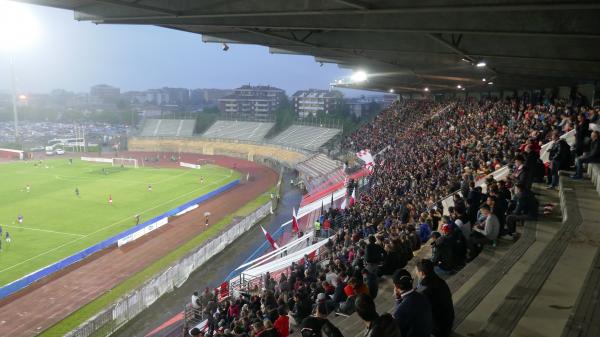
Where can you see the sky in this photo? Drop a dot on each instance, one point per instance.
(73, 55)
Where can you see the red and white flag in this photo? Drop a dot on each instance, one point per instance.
(365, 155)
(269, 238)
(295, 227)
(351, 200)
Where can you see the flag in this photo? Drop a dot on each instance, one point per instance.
(322, 206)
(365, 155)
(269, 238)
(353, 198)
(223, 290)
(295, 227)
(350, 202)
(331, 204)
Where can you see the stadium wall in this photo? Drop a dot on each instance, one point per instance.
(11, 154)
(119, 239)
(126, 308)
(286, 156)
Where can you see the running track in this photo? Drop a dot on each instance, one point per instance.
(42, 305)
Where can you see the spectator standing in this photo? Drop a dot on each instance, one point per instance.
(282, 323)
(377, 326)
(560, 159)
(582, 132)
(521, 171)
(372, 282)
(412, 312)
(374, 255)
(440, 298)
(195, 301)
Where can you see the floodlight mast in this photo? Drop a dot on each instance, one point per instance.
(14, 97)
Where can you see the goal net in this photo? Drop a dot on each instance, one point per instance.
(125, 162)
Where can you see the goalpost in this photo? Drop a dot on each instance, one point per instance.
(125, 162)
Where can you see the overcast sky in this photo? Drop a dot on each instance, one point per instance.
(76, 55)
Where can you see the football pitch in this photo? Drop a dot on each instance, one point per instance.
(57, 223)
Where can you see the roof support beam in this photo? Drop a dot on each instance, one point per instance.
(548, 6)
(354, 3)
(136, 5)
(349, 28)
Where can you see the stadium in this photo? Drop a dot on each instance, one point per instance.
(467, 205)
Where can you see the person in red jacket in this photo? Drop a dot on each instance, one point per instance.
(282, 323)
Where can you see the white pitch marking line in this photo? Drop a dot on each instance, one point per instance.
(43, 230)
(101, 229)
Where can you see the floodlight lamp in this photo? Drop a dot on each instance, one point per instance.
(359, 76)
(18, 27)
(459, 86)
(480, 64)
(392, 91)
(426, 89)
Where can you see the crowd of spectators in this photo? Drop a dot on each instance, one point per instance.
(427, 150)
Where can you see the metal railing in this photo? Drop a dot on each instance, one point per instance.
(504, 171)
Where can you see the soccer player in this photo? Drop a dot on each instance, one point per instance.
(149, 187)
(0, 230)
(70, 161)
(27, 188)
(8, 239)
(137, 219)
(110, 199)
(201, 180)
(20, 218)
(77, 191)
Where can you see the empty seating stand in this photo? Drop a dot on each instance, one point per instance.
(305, 137)
(247, 131)
(168, 128)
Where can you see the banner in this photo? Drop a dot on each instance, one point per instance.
(97, 159)
(188, 165)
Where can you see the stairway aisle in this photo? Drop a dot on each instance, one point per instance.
(481, 295)
(548, 312)
(541, 301)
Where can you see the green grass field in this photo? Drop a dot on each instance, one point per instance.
(57, 223)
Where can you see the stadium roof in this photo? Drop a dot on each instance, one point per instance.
(404, 45)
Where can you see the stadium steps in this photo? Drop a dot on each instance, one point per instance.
(481, 294)
(551, 282)
(155, 132)
(594, 172)
(544, 284)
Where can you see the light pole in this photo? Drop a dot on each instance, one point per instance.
(14, 97)
(17, 29)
